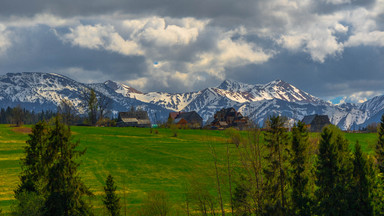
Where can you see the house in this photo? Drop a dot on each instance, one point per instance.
(188, 119)
(316, 122)
(229, 117)
(133, 118)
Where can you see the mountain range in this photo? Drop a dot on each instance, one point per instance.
(44, 91)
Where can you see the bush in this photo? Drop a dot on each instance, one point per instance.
(156, 204)
(174, 130)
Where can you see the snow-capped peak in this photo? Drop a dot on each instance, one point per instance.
(234, 86)
(121, 88)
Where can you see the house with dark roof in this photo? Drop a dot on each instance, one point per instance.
(316, 122)
(187, 119)
(133, 118)
(229, 117)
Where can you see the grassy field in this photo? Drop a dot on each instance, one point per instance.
(139, 160)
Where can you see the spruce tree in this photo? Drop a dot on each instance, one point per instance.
(276, 172)
(334, 173)
(379, 150)
(111, 200)
(32, 167)
(362, 183)
(300, 196)
(64, 187)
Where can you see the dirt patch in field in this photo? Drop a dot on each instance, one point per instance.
(23, 130)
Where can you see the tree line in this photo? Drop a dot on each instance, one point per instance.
(18, 116)
(275, 172)
(96, 111)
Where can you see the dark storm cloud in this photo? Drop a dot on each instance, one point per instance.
(39, 49)
(174, 8)
(323, 7)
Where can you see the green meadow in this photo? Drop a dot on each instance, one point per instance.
(140, 159)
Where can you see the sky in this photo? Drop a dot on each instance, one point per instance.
(332, 49)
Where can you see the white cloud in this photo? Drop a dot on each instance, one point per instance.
(374, 38)
(140, 83)
(319, 43)
(162, 32)
(359, 97)
(82, 75)
(5, 41)
(230, 53)
(336, 2)
(101, 37)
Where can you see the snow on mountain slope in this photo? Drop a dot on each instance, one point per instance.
(121, 88)
(43, 91)
(39, 89)
(175, 102)
(277, 89)
(229, 89)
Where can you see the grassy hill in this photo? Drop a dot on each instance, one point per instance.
(139, 160)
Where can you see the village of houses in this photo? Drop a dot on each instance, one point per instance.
(224, 118)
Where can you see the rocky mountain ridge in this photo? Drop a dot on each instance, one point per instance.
(42, 91)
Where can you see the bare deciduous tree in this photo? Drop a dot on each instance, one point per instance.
(67, 111)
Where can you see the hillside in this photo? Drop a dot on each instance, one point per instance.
(139, 160)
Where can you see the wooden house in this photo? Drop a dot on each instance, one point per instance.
(133, 118)
(229, 117)
(316, 122)
(187, 119)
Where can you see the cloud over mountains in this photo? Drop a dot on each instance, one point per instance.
(331, 48)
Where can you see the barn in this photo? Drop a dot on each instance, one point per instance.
(316, 122)
(133, 118)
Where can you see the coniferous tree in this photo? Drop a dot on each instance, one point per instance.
(276, 172)
(111, 200)
(379, 150)
(362, 183)
(32, 166)
(300, 195)
(334, 173)
(64, 187)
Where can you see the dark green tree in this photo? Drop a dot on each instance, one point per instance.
(111, 200)
(334, 173)
(32, 166)
(91, 105)
(64, 187)
(276, 172)
(362, 183)
(379, 180)
(240, 198)
(300, 195)
(379, 150)
(18, 116)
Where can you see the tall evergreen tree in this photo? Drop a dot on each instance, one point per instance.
(276, 172)
(379, 150)
(334, 173)
(300, 195)
(362, 183)
(64, 187)
(32, 166)
(111, 200)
